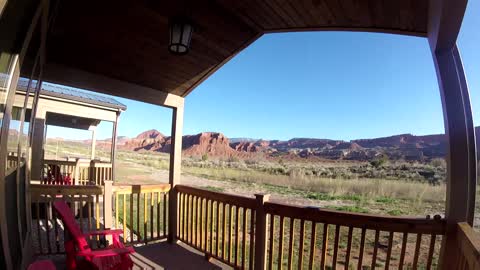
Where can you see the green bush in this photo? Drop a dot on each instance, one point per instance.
(379, 162)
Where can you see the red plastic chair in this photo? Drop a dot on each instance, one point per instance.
(114, 257)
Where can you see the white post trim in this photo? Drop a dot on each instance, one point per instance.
(175, 169)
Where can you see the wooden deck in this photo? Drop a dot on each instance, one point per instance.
(160, 255)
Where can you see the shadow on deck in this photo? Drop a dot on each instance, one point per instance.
(160, 255)
(163, 255)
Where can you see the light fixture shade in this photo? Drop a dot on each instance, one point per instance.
(180, 36)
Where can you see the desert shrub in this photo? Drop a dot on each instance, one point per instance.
(380, 161)
(438, 162)
(205, 157)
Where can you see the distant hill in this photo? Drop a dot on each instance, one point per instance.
(403, 146)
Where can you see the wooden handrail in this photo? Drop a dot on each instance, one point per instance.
(64, 190)
(367, 221)
(240, 201)
(59, 162)
(128, 189)
(469, 245)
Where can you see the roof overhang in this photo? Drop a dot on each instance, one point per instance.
(127, 40)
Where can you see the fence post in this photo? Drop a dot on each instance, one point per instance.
(260, 231)
(172, 214)
(76, 180)
(107, 206)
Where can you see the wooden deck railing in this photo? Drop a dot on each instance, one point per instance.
(81, 172)
(469, 247)
(220, 225)
(313, 238)
(251, 232)
(243, 232)
(86, 203)
(142, 212)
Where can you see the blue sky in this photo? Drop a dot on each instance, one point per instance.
(338, 85)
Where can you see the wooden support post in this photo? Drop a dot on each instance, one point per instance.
(445, 20)
(94, 142)
(76, 173)
(114, 144)
(260, 231)
(38, 141)
(175, 170)
(461, 157)
(107, 207)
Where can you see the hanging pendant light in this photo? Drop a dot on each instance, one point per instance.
(180, 36)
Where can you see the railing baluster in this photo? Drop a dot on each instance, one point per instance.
(217, 226)
(201, 224)
(139, 235)
(212, 202)
(180, 216)
(375, 249)
(430, 251)
(280, 244)
(48, 209)
(159, 215)
(224, 229)
(389, 250)
(184, 217)
(195, 222)
(349, 247)
(124, 218)
(116, 196)
(271, 239)
(252, 241)
(335, 246)
(145, 217)
(230, 218)
(244, 238)
(324, 246)
(132, 226)
(291, 244)
(313, 239)
(190, 219)
(80, 214)
(417, 250)
(57, 240)
(152, 205)
(90, 212)
(165, 213)
(205, 240)
(362, 247)
(37, 207)
(236, 234)
(301, 245)
(403, 250)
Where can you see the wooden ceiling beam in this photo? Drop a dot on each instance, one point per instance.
(65, 75)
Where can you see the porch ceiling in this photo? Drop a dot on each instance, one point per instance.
(127, 40)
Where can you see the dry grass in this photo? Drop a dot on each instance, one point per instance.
(410, 190)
